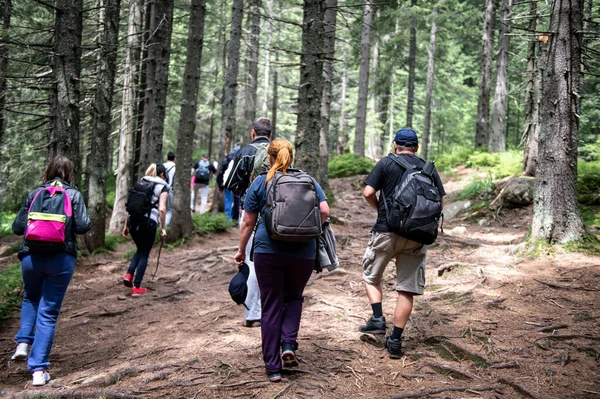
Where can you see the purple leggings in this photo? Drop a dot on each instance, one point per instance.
(281, 279)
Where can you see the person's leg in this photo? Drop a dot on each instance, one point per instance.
(59, 270)
(403, 309)
(235, 212)
(195, 189)
(33, 278)
(203, 198)
(145, 240)
(271, 281)
(253, 302)
(297, 273)
(228, 195)
(169, 208)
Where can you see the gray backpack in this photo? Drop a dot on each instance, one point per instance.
(292, 211)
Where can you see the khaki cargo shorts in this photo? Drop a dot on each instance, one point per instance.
(410, 261)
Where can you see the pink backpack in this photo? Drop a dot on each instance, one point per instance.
(49, 217)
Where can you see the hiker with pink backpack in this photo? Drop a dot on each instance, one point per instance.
(49, 219)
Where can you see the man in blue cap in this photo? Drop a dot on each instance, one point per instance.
(385, 244)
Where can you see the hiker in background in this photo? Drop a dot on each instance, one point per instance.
(142, 228)
(47, 267)
(237, 178)
(385, 245)
(282, 267)
(170, 171)
(202, 171)
(232, 203)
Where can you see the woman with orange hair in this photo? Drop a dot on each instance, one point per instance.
(282, 267)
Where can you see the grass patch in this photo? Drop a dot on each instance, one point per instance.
(111, 242)
(539, 248)
(498, 164)
(478, 188)
(590, 215)
(346, 165)
(589, 245)
(12, 248)
(11, 290)
(451, 159)
(588, 182)
(206, 223)
(127, 255)
(6, 221)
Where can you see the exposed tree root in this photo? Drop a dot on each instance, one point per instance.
(566, 287)
(425, 393)
(552, 327)
(517, 387)
(453, 351)
(283, 391)
(449, 371)
(67, 394)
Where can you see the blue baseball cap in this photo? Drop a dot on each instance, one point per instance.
(238, 287)
(407, 137)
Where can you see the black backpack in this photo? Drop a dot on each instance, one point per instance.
(415, 209)
(292, 210)
(139, 201)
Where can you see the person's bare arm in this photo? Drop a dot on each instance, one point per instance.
(248, 223)
(369, 194)
(162, 213)
(324, 208)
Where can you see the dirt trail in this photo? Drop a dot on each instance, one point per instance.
(496, 324)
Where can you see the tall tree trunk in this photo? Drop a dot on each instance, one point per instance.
(66, 68)
(266, 81)
(157, 80)
(429, 91)
(556, 216)
(5, 11)
(532, 148)
(412, 60)
(141, 140)
(485, 68)
(231, 76)
(373, 134)
(528, 140)
(363, 80)
(182, 220)
(329, 50)
(251, 66)
(343, 138)
(310, 94)
(497, 141)
(97, 162)
(129, 119)
(275, 102)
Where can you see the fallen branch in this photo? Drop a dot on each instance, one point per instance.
(68, 394)
(566, 287)
(568, 336)
(284, 390)
(447, 370)
(552, 327)
(429, 392)
(517, 387)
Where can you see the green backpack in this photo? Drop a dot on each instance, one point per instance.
(261, 160)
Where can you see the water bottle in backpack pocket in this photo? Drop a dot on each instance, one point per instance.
(49, 219)
(415, 209)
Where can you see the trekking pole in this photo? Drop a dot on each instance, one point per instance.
(158, 258)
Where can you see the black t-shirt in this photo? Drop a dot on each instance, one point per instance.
(385, 176)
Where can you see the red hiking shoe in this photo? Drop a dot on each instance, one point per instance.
(128, 280)
(135, 291)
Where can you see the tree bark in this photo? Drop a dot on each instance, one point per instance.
(251, 66)
(5, 11)
(182, 221)
(363, 80)
(429, 91)
(343, 137)
(157, 81)
(483, 101)
(230, 88)
(97, 162)
(310, 94)
(141, 141)
(556, 215)
(528, 140)
(329, 50)
(266, 81)
(412, 60)
(65, 98)
(497, 141)
(128, 117)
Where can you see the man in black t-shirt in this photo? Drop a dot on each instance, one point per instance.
(385, 245)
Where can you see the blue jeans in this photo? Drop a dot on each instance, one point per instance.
(45, 280)
(143, 232)
(228, 203)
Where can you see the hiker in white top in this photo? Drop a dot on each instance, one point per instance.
(170, 167)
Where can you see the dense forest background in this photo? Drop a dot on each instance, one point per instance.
(115, 84)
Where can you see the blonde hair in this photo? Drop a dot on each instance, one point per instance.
(281, 151)
(151, 171)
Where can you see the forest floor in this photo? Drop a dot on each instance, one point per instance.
(501, 321)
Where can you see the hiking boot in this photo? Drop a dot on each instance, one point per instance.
(288, 356)
(138, 291)
(394, 347)
(375, 325)
(251, 323)
(274, 377)
(20, 352)
(128, 280)
(40, 378)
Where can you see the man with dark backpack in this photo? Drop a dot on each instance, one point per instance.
(409, 209)
(202, 171)
(249, 162)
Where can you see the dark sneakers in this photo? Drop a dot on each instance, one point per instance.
(394, 347)
(375, 325)
(288, 356)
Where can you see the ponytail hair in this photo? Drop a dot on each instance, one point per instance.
(281, 151)
(151, 171)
